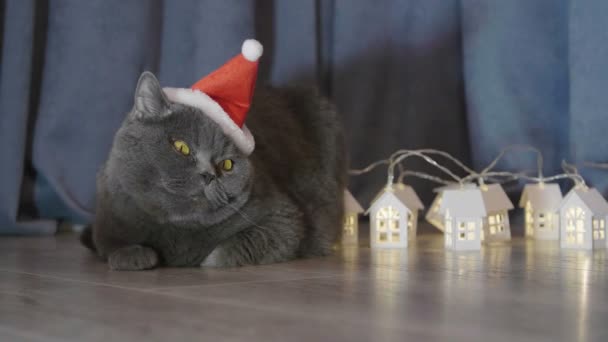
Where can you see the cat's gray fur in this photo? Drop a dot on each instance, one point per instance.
(283, 201)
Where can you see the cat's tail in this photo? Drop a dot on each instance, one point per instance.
(86, 238)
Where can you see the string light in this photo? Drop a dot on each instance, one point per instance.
(423, 175)
(596, 165)
(438, 152)
(539, 158)
(400, 155)
(370, 167)
(570, 171)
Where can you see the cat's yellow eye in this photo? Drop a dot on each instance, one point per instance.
(181, 147)
(227, 165)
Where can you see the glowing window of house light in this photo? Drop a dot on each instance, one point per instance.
(599, 232)
(471, 231)
(549, 221)
(495, 223)
(387, 218)
(448, 231)
(575, 226)
(437, 204)
(461, 226)
(529, 219)
(349, 224)
(383, 237)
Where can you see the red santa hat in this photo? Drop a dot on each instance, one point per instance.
(225, 94)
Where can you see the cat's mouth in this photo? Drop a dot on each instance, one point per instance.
(211, 205)
(211, 197)
(214, 198)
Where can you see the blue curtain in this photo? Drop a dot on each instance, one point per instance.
(466, 76)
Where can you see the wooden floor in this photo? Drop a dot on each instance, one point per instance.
(51, 289)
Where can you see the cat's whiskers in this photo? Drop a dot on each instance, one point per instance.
(180, 182)
(174, 186)
(237, 210)
(222, 194)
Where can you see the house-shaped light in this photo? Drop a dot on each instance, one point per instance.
(541, 203)
(583, 215)
(434, 215)
(472, 215)
(352, 209)
(394, 216)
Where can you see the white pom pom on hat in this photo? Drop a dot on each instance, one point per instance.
(252, 50)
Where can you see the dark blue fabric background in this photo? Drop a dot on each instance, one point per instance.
(468, 77)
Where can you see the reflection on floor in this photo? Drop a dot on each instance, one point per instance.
(52, 289)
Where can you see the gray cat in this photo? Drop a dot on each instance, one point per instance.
(157, 206)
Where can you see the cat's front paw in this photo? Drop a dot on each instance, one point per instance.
(133, 258)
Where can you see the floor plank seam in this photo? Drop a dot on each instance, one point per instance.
(69, 279)
(28, 334)
(160, 289)
(238, 283)
(217, 301)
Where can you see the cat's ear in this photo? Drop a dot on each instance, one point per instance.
(150, 100)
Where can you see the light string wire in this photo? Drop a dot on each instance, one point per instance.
(400, 155)
(438, 152)
(596, 165)
(438, 180)
(404, 173)
(397, 157)
(423, 175)
(472, 173)
(370, 167)
(503, 152)
(573, 173)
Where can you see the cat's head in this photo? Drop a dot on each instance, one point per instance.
(177, 161)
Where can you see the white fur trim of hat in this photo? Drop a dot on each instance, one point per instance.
(242, 138)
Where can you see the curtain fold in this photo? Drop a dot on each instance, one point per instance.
(587, 122)
(16, 111)
(516, 78)
(397, 80)
(465, 76)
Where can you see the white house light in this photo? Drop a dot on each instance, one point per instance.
(350, 230)
(497, 204)
(473, 215)
(434, 215)
(583, 215)
(470, 214)
(463, 213)
(541, 203)
(393, 216)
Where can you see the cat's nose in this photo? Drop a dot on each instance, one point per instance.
(207, 177)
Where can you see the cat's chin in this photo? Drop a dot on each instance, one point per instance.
(200, 211)
(202, 217)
